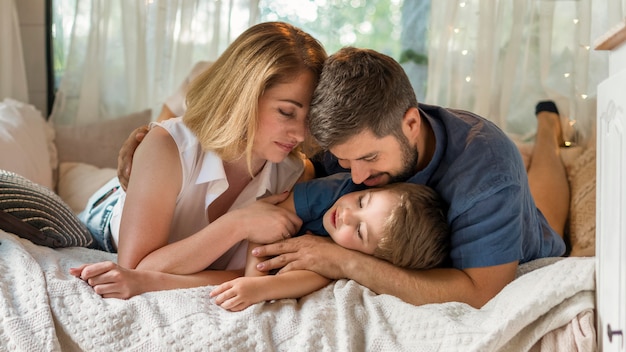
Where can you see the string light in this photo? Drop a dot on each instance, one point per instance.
(464, 52)
(584, 96)
(575, 20)
(468, 78)
(566, 74)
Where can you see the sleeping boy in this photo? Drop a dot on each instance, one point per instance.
(402, 223)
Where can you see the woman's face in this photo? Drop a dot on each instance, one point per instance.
(283, 110)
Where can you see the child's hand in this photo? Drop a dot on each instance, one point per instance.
(238, 294)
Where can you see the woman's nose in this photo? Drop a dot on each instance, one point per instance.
(298, 132)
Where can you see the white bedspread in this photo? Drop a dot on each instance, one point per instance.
(43, 308)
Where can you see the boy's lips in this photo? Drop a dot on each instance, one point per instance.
(333, 218)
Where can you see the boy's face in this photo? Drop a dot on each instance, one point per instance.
(356, 220)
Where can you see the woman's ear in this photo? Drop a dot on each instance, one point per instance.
(411, 123)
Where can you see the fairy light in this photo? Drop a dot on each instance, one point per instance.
(566, 74)
(575, 20)
(464, 52)
(468, 79)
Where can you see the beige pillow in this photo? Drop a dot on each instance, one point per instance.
(581, 173)
(97, 143)
(78, 181)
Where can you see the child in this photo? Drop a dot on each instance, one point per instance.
(402, 223)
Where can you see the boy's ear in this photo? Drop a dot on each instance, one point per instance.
(411, 123)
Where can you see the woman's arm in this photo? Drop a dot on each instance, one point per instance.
(149, 210)
(113, 281)
(240, 293)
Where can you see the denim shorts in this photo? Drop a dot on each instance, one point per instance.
(98, 212)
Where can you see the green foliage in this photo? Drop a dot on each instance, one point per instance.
(371, 24)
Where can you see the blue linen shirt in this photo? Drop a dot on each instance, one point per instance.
(479, 173)
(313, 198)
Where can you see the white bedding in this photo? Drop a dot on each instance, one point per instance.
(43, 308)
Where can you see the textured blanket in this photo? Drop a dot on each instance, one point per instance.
(43, 308)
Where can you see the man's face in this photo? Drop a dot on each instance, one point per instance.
(377, 161)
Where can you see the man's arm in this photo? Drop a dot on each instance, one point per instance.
(474, 286)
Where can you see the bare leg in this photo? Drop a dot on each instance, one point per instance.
(547, 176)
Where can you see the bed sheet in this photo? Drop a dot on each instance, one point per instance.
(43, 308)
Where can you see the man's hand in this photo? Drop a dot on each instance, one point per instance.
(125, 156)
(308, 252)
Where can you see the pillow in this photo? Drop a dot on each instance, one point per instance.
(36, 213)
(79, 181)
(98, 143)
(26, 143)
(582, 218)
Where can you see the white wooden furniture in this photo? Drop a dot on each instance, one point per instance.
(611, 196)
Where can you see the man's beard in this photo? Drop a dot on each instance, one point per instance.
(409, 162)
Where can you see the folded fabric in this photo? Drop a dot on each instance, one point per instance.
(45, 219)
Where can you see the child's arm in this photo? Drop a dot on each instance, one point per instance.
(242, 292)
(252, 261)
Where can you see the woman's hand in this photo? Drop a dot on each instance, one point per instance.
(125, 156)
(264, 222)
(110, 280)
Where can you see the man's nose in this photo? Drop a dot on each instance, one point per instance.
(359, 174)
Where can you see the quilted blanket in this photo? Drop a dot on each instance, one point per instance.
(43, 308)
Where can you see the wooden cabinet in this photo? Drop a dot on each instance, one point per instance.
(611, 197)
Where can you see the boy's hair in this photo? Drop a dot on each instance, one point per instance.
(416, 234)
(359, 89)
(223, 100)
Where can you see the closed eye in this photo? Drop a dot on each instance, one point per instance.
(287, 114)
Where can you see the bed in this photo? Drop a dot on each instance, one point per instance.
(549, 306)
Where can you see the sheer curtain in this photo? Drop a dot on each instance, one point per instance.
(499, 57)
(124, 56)
(12, 68)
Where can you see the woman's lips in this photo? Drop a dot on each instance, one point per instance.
(286, 147)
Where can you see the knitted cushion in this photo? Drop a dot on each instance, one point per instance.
(582, 217)
(36, 213)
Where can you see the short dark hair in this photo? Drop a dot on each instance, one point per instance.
(359, 89)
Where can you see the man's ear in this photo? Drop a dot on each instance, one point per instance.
(411, 123)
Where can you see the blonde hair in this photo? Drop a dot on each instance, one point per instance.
(223, 100)
(416, 234)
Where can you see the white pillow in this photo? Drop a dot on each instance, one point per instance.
(26, 142)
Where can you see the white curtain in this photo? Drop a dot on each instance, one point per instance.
(12, 69)
(124, 56)
(498, 58)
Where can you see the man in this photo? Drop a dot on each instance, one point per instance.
(365, 113)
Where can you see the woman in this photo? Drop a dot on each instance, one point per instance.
(190, 203)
